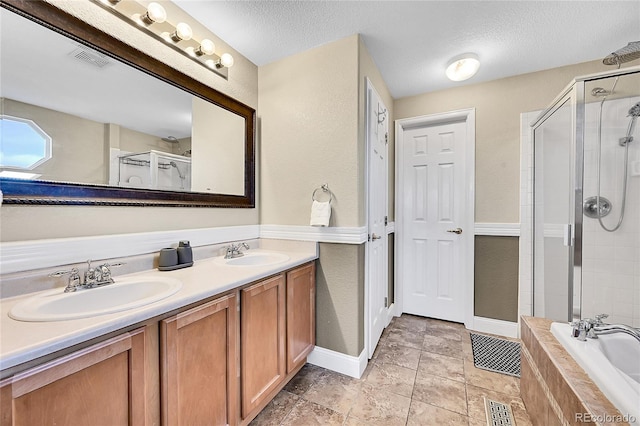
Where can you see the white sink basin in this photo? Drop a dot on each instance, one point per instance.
(124, 294)
(254, 259)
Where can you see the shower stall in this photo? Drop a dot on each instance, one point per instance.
(586, 201)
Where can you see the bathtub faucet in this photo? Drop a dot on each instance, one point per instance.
(586, 328)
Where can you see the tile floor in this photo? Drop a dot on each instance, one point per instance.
(422, 373)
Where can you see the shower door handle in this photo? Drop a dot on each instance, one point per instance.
(455, 231)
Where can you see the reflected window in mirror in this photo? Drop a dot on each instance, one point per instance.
(24, 146)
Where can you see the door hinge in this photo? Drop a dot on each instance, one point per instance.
(386, 138)
(568, 235)
(386, 221)
(385, 302)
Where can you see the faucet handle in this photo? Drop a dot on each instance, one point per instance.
(105, 270)
(63, 273)
(112, 265)
(576, 327)
(600, 317)
(74, 279)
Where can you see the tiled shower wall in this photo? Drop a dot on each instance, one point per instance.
(611, 261)
(525, 286)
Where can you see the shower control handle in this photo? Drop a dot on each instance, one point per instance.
(455, 231)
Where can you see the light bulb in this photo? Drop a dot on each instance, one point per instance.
(210, 63)
(155, 13)
(183, 32)
(463, 67)
(226, 60)
(207, 47)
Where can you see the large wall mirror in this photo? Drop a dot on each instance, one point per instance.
(87, 119)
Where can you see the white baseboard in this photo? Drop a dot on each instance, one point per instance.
(392, 312)
(336, 361)
(494, 326)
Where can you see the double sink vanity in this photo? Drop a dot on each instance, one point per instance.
(209, 344)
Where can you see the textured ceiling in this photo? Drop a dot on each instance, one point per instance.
(412, 41)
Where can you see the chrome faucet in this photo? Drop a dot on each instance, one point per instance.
(586, 328)
(233, 250)
(590, 328)
(93, 277)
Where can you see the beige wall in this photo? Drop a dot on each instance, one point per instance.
(367, 69)
(308, 112)
(217, 143)
(19, 223)
(312, 132)
(308, 109)
(498, 106)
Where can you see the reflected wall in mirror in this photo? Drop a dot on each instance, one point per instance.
(123, 128)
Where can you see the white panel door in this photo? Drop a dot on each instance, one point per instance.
(377, 254)
(433, 213)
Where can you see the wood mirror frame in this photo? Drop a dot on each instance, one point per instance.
(17, 191)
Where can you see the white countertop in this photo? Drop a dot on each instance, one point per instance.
(24, 341)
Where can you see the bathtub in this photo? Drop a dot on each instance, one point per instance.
(613, 362)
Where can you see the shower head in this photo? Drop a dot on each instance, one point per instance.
(625, 54)
(634, 113)
(173, 164)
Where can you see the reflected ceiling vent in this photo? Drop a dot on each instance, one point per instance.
(91, 57)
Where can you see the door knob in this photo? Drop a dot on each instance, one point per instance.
(455, 231)
(375, 237)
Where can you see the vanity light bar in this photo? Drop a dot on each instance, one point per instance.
(152, 20)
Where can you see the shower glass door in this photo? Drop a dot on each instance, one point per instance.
(553, 224)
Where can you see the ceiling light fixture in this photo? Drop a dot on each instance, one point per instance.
(152, 20)
(463, 67)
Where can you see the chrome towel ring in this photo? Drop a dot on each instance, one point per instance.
(325, 189)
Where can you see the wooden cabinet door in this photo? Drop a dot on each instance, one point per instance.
(199, 370)
(262, 330)
(301, 315)
(104, 384)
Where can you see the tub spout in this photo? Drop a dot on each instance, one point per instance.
(617, 328)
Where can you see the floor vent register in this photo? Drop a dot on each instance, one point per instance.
(497, 355)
